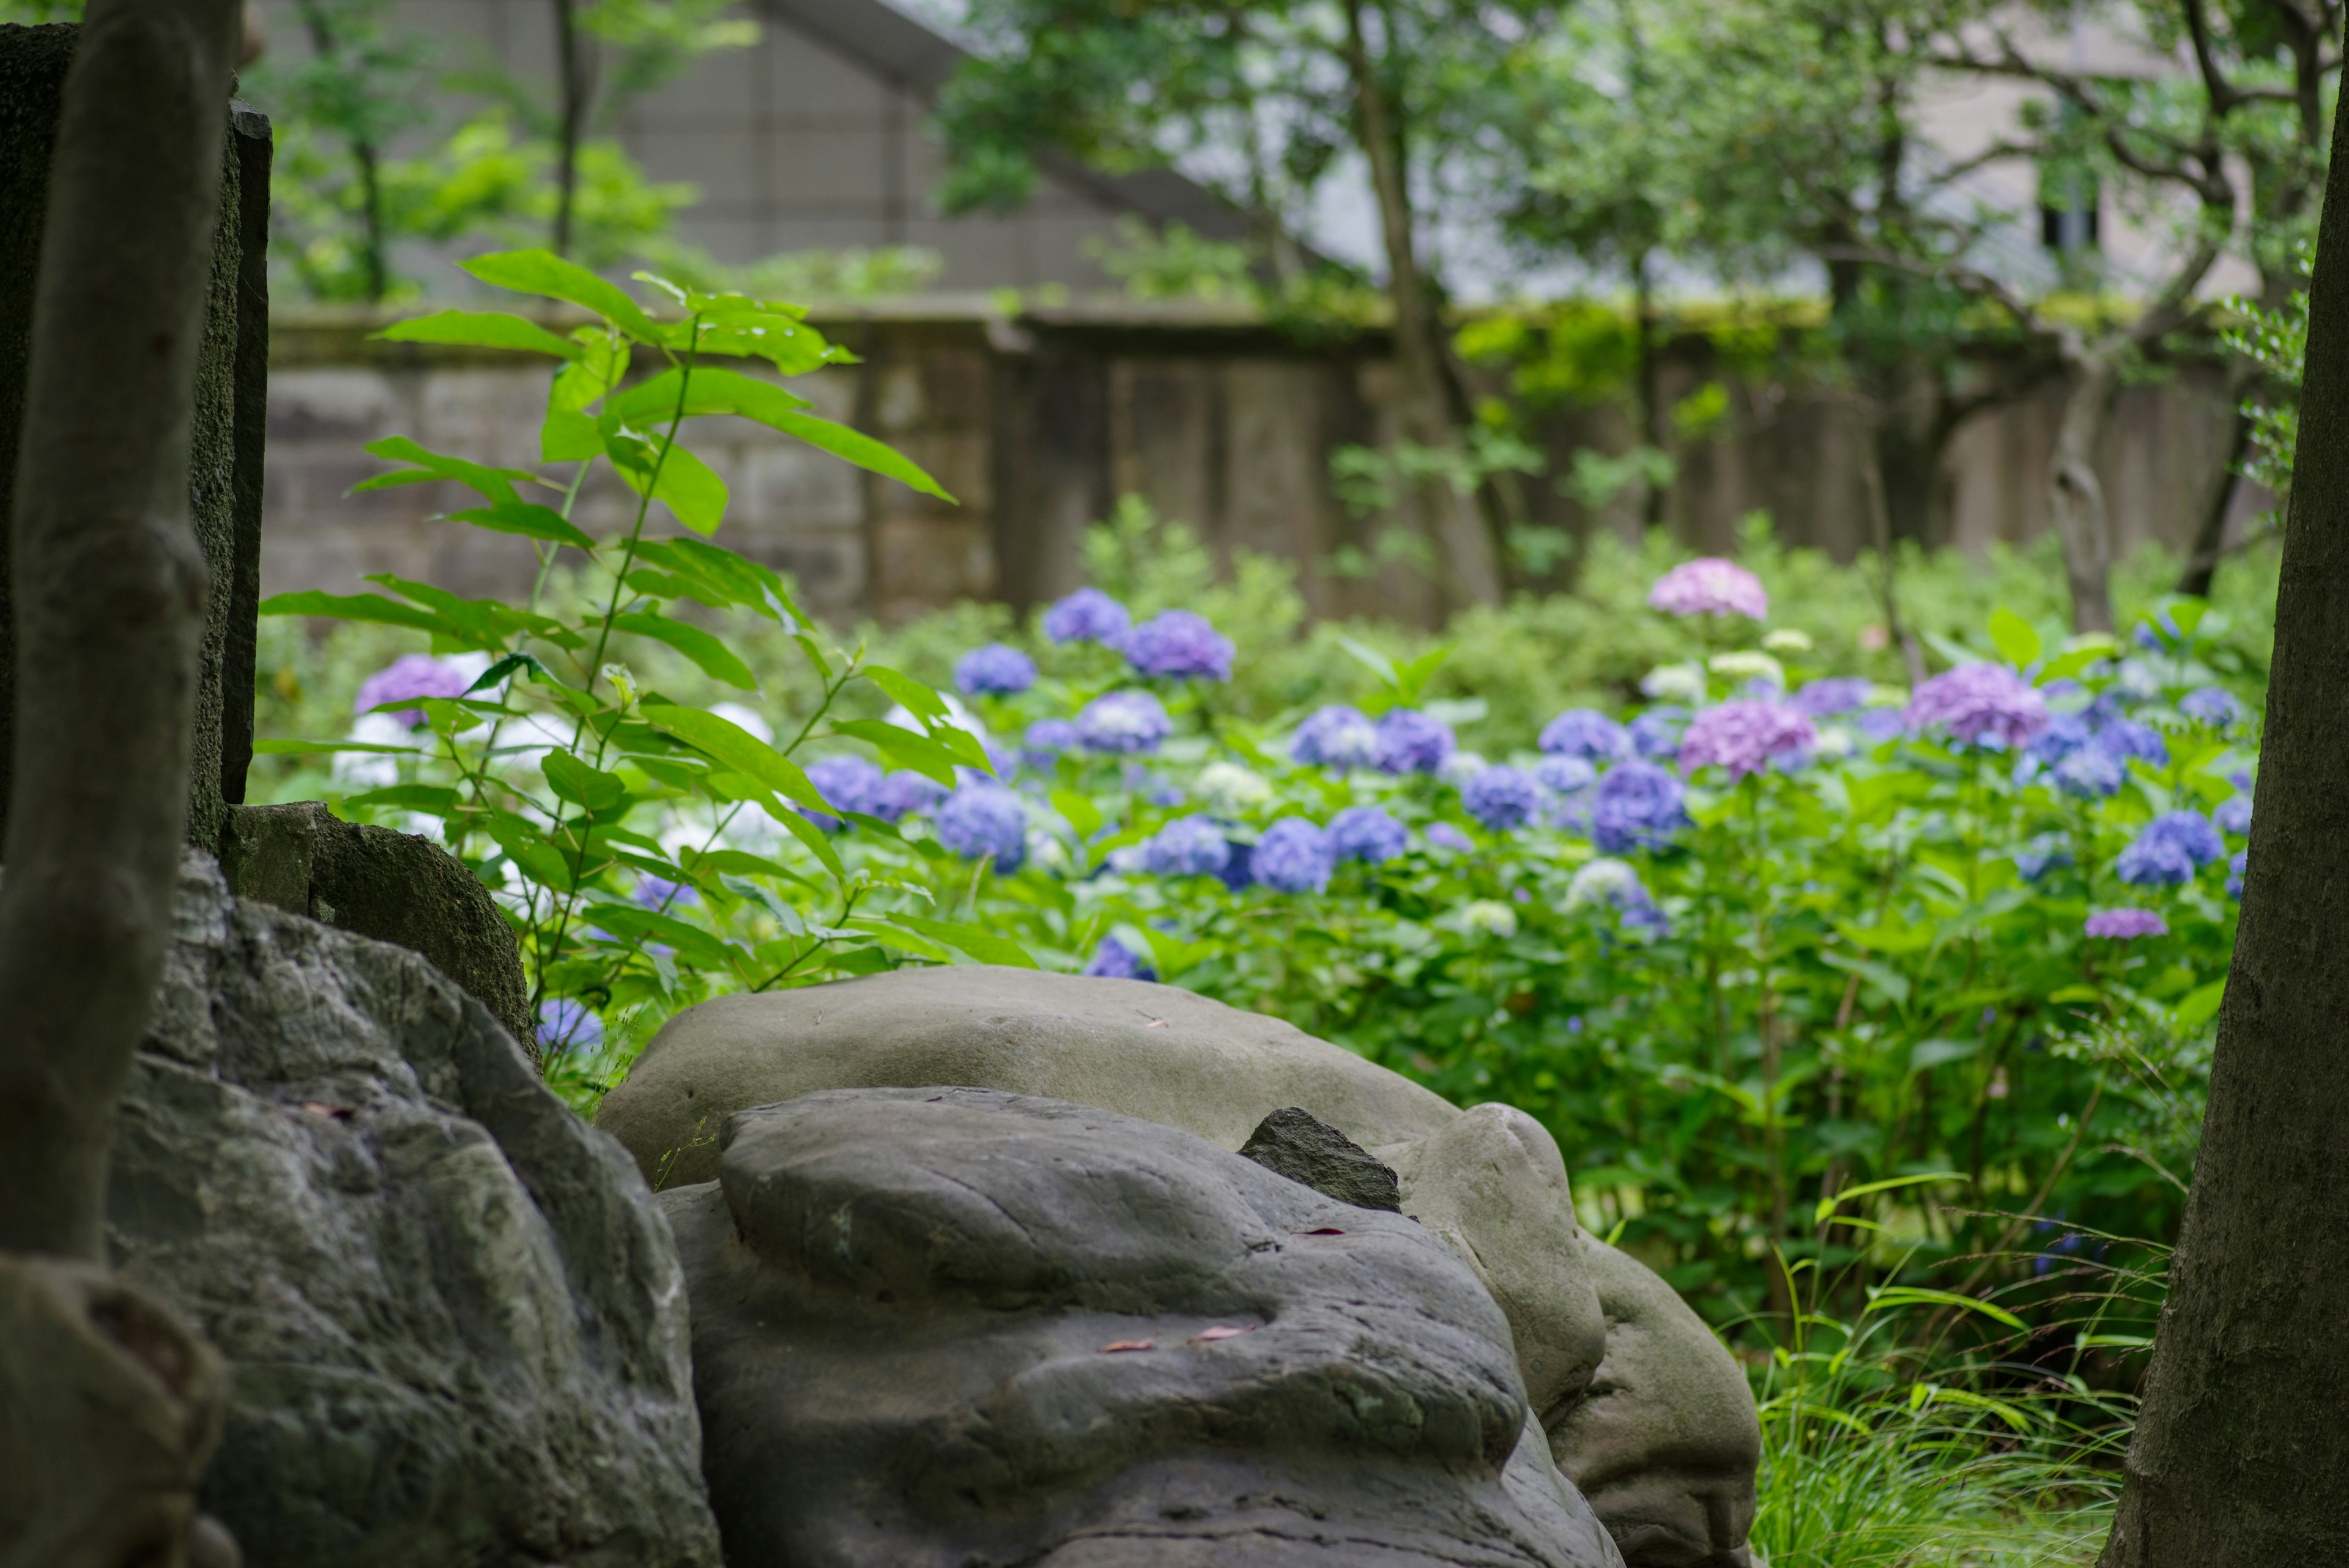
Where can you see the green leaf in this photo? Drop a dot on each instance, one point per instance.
(2076, 994)
(688, 486)
(506, 668)
(903, 748)
(1934, 1052)
(777, 335)
(2018, 644)
(1371, 659)
(743, 752)
(1083, 814)
(497, 484)
(1888, 938)
(983, 946)
(1909, 1296)
(1409, 678)
(575, 782)
(568, 436)
(290, 748)
(904, 940)
(809, 833)
(647, 925)
(854, 446)
(527, 518)
(713, 390)
(481, 329)
(861, 961)
(2090, 648)
(437, 799)
(1885, 978)
(1827, 1205)
(2200, 1005)
(714, 658)
(548, 276)
(372, 608)
(919, 699)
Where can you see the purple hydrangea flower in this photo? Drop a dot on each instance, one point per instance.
(1293, 856)
(997, 670)
(1501, 798)
(1114, 961)
(1567, 786)
(564, 1022)
(985, 820)
(2212, 705)
(1881, 724)
(1656, 734)
(2091, 773)
(851, 783)
(1981, 704)
(1088, 615)
(1368, 833)
(660, 893)
(2124, 924)
(907, 793)
(1837, 694)
(1178, 645)
(2233, 815)
(410, 676)
(2235, 865)
(2170, 848)
(1710, 586)
(2125, 738)
(1411, 742)
(2035, 858)
(1638, 805)
(1122, 722)
(1744, 737)
(1587, 733)
(1443, 836)
(1187, 846)
(1335, 737)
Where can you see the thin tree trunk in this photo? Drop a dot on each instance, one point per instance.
(2240, 1458)
(110, 592)
(1471, 563)
(1652, 388)
(363, 154)
(576, 91)
(2076, 496)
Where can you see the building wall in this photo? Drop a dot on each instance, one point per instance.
(1037, 425)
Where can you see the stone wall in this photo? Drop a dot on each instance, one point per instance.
(1038, 424)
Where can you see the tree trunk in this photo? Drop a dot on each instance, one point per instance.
(2076, 496)
(1652, 386)
(373, 244)
(2240, 1458)
(2210, 538)
(110, 593)
(1464, 539)
(576, 89)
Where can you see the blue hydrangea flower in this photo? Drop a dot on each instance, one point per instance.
(1501, 798)
(1179, 646)
(1656, 734)
(2211, 705)
(1638, 805)
(2126, 738)
(1835, 694)
(1335, 737)
(1122, 723)
(660, 893)
(1411, 742)
(1088, 615)
(2091, 773)
(851, 783)
(1293, 856)
(1881, 724)
(1187, 846)
(1114, 961)
(1587, 733)
(1240, 869)
(564, 1022)
(1566, 786)
(907, 793)
(1610, 884)
(2170, 848)
(1045, 741)
(2035, 858)
(2233, 815)
(1443, 836)
(1458, 768)
(2235, 865)
(2064, 733)
(997, 670)
(1368, 833)
(983, 820)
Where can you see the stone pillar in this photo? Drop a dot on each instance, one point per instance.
(232, 405)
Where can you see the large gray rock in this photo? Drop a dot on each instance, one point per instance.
(958, 1328)
(1662, 1434)
(453, 1315)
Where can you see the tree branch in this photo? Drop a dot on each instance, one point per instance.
(110, 593)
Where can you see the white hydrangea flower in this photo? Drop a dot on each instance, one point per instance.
(1459, 767)
(373, 770)
(1786, 639)
(1489, 917)
(1675, 683)
(1227, 789)
(1747, 665)
(1601, 881)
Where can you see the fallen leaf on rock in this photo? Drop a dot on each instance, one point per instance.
(1219, 1332)
(1114, 1347)
(320, 1108)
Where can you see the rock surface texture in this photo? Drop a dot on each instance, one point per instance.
(454, 1318)
(1645, 1409)
(1299, 1145)
(959, 1328)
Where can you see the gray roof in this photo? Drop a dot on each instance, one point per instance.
(898, 49)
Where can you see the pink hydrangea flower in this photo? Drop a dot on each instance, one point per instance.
(1710, 586)
(2127, 923)
(1979, 703)
(1745, 736)
(410, 675)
